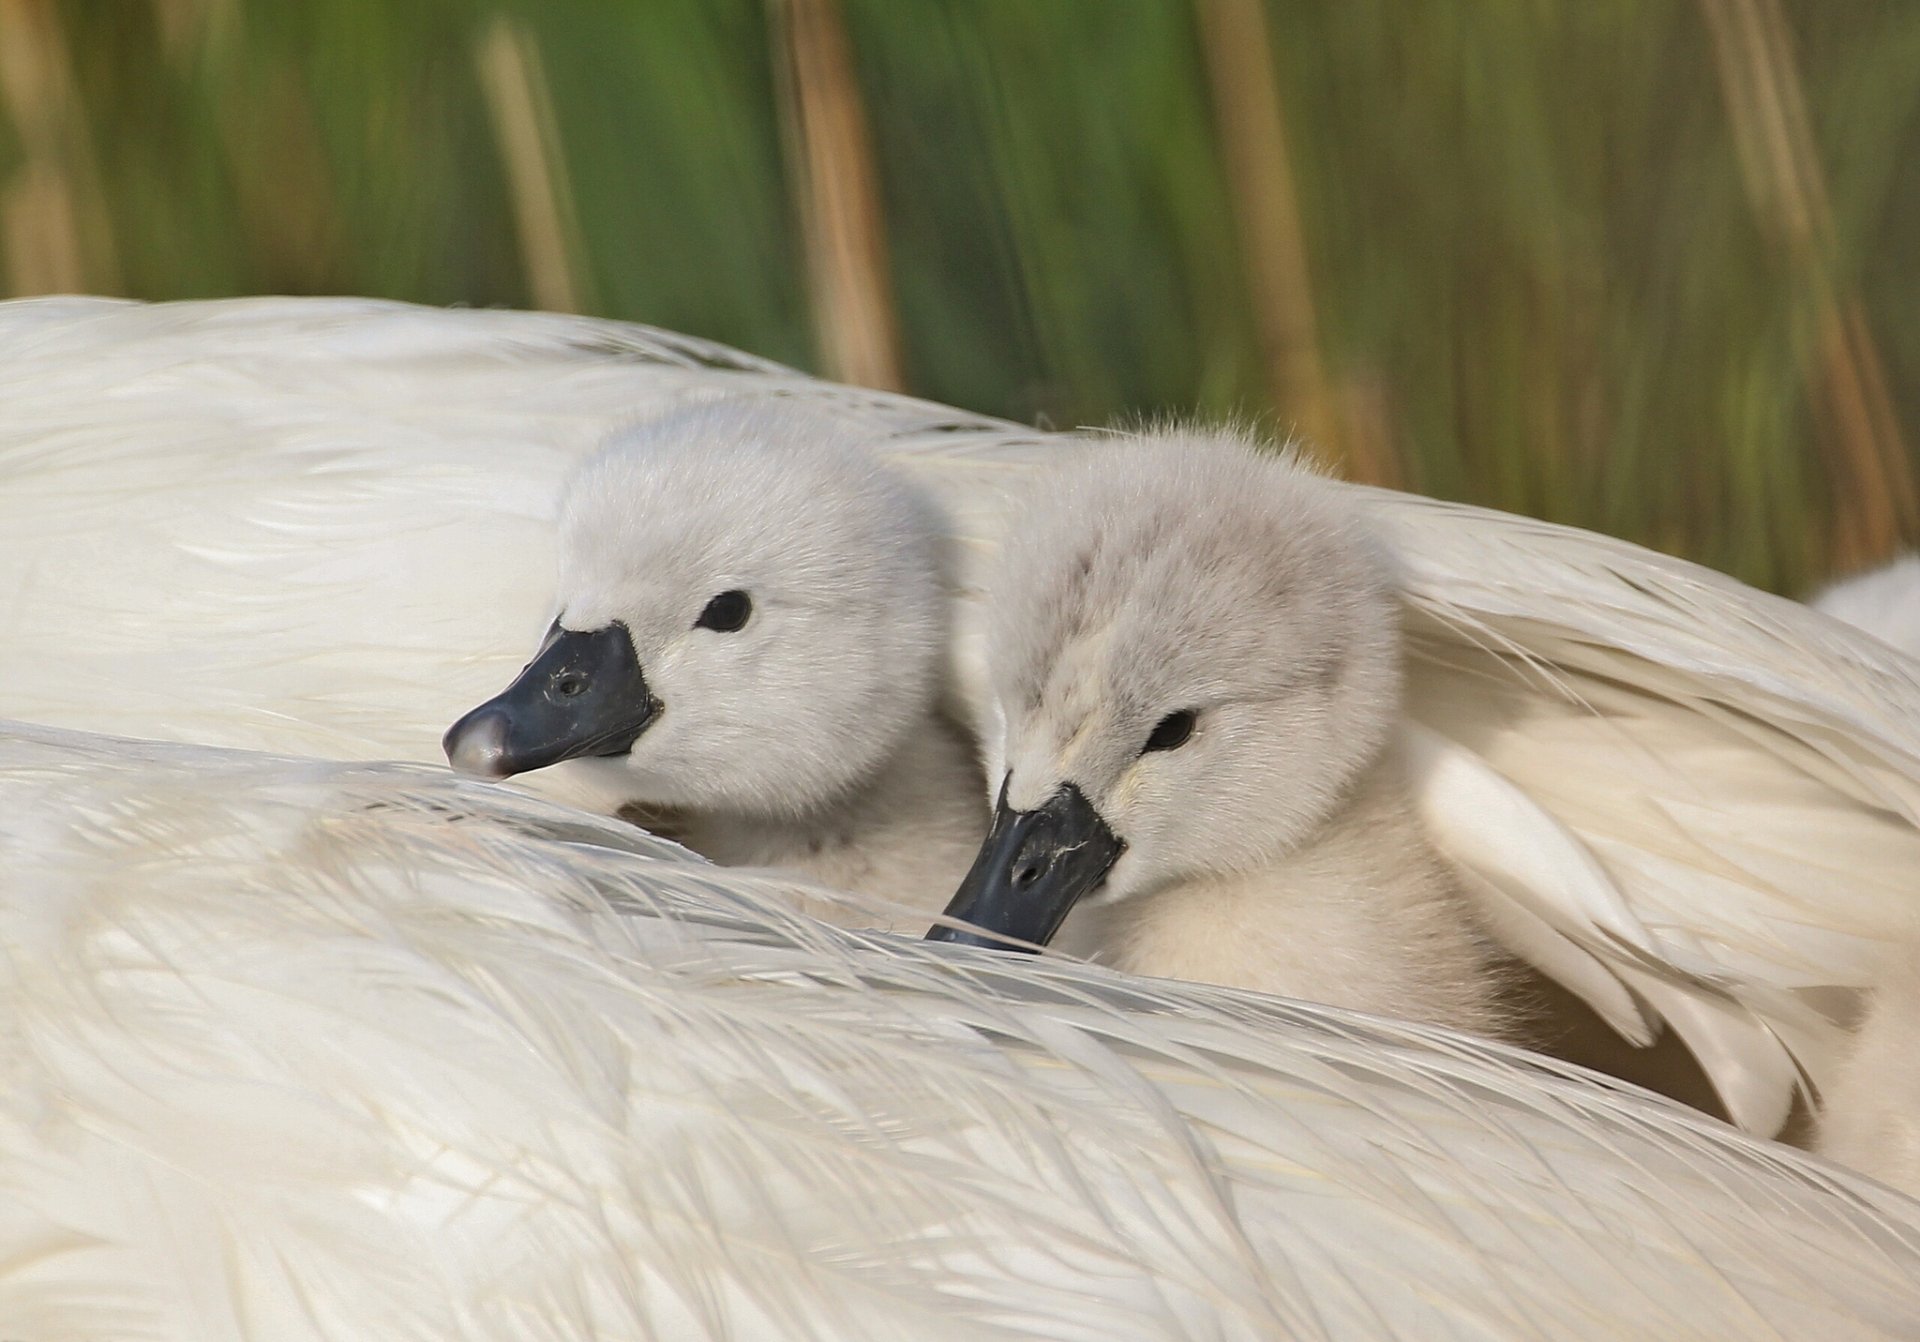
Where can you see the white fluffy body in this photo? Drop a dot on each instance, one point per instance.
(1276, 848)
(1884, 601)
(810, 738)
(308, 1051)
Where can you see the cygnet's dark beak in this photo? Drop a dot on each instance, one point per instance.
(1032, 868)
(583, 695)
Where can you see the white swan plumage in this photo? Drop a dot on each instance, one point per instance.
(299, 1049)
(325, 525)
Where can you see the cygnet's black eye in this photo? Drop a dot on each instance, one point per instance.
(726, 612)
(1173, 731)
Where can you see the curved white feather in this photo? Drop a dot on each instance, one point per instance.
(321, 525)
(1509, 850)
(302, 1050)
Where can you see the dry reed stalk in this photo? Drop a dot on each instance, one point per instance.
(1875, 505)
(514, 85)
(284, 183)
(1238, 48)
(53, 224)
(830, 154)
(188, 27)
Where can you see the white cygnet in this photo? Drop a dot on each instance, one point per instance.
(1196, 654)
(747, 655)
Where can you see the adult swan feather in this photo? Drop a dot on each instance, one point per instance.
(300, 1050)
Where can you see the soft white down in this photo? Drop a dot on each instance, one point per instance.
(303, 1051)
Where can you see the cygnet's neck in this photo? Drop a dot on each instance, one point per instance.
(1364, 915)
(907, 834)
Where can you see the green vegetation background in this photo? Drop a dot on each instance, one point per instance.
(1563, 257)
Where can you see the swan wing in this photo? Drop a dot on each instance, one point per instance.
(305, 1049)
(1712, 793)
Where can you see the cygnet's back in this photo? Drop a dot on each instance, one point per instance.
(1196, 654)
(746, 655)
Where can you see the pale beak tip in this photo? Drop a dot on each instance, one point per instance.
(477, 744)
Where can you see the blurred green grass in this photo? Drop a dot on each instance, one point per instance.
(1562, 259)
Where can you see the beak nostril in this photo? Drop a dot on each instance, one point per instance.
(1031, 868)
(570, 686)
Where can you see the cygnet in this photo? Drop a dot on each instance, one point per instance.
(747, 655)
(1196, 654)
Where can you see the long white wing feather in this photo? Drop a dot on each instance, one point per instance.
(305, 1050)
